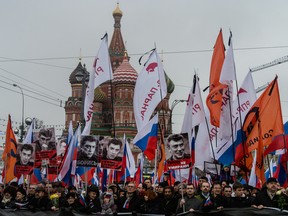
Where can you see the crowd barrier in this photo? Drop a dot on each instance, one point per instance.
(224, 212)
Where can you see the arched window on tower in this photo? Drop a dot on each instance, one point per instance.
(126, 118)
(126, 93)
(117, 118)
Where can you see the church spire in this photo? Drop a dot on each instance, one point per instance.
(117, 47)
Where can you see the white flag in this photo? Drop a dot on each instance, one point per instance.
(29, 136)
(130, 162)
(102, 71)
(150, 89)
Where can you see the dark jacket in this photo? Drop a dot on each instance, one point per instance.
(190, 202)
(169, 206)
(129, 205)
(262, 198)
(41, 204)
(93, 206)
(150, 206)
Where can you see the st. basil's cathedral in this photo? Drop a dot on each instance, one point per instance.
(115, 98)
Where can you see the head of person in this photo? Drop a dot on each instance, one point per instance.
(226, 168)
(45, 136)
(150, 194)
(114, 148)
(9, 192)
(176, 146)
(40, 192)
(148, 183)
(205, 187)
(93, 192)
(131, 188)
(20, 194)
(238, 189)
(25, 154)
(32, 189)
(202, 179)
(168, 192)
(190, 190)
(216, 188)
(70, 197)
(271, 185)
(88, 145)
(227, 191)
(224, 183)
(176, 186)
(182, 188)
(161, 187)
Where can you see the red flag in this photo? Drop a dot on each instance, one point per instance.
(265, 114)
(9, 153)
(259, 168)
(217, 61)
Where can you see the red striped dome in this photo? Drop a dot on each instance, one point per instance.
(125, 72)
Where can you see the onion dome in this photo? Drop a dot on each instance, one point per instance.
(125, 72)
(117, 11)
(72, 78)
(170, 84)
(99, 95)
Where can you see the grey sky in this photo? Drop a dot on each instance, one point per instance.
(56, 30)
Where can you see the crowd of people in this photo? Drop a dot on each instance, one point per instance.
(144, 198)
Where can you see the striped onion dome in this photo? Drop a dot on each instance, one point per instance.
(125, 72)
(99, 95)
(170, 84)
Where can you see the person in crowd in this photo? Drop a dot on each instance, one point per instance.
(201, 180)
(21, 200)
(150, 203)
(224, 184)
(25, 155)
(176, 147)
(242, 176)
(216, 195)
(227, 196)
(113, 150)
(92, 200)
(169, 202)
(205, 197)
(189, 202)
(225, 174)
(71, 204)
(131, 201)
(161, 186)
(180, 191)
(41, 201)
(107, 204)
(239, 200)
(87, 150)
(8, 200)
(268, 197)
(148, 182)
(31, 191)
(43, 142)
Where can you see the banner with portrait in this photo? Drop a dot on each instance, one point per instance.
(25, 159)
(88, 151)
(45, 146)
(178, 151)
(112, 154)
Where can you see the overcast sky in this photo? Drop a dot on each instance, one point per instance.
(40, 44)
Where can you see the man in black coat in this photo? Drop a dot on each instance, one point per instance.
(268, 197)
(130, 202)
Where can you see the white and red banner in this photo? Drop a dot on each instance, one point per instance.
(102, 71)
(150, 89)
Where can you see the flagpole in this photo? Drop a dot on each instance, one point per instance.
(86, 180)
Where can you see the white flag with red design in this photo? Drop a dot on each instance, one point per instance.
(150, 89)
(102, 71)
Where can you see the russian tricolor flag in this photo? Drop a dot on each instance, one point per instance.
(146, 139)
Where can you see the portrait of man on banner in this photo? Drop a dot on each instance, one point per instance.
(88, 151)
(25, 159)
(112, 155)
(45, 145)
(177, 151)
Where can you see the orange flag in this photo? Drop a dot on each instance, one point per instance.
(9, 153)
(264, 120)
(217, 61)
(214, 103)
